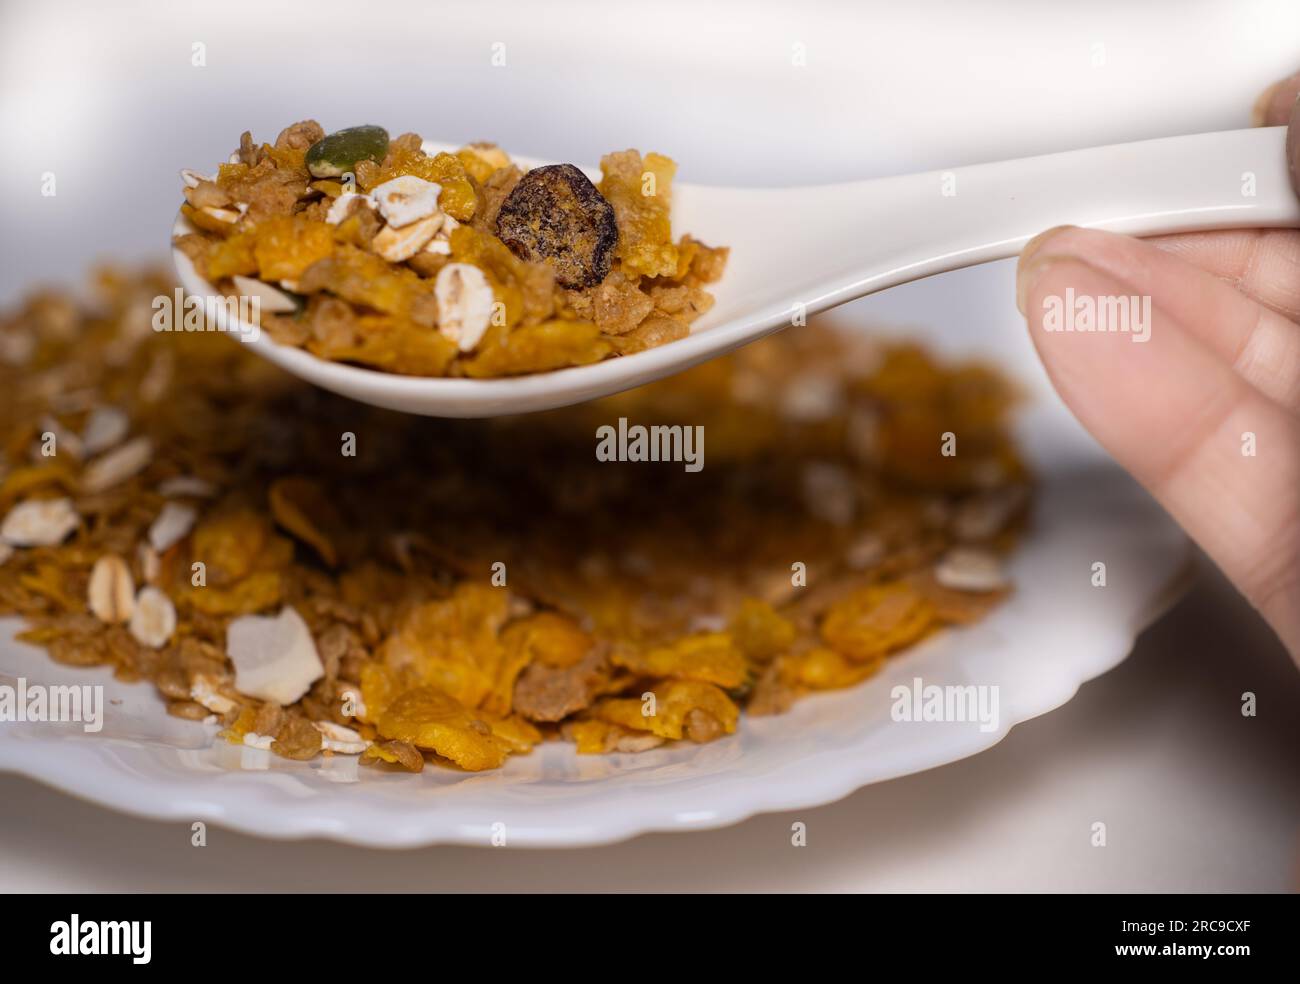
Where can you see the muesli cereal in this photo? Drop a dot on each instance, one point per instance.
(370, 251)
(456, 591)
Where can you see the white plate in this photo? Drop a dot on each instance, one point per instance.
(1056, 632)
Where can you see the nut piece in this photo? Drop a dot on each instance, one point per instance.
(117, 465)
(173, 524)
(406, 199)
(154, 618)
(342, 206)
(465, 302)
(340, 152)
(111, 592)
(969, 569)
(396, 245)
(275, 658)
(555, 213)
(39, 523)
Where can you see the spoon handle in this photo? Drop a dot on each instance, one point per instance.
(848, 240)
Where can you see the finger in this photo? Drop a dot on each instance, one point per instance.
(1273, 107)
(1263, 264)
(1178, 418)
(1260, 345)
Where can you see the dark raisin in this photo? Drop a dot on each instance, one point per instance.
(556, 214)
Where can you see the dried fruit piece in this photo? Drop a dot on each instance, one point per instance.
(556, 214)
(275, 659)
(340, 152)
(110, 594)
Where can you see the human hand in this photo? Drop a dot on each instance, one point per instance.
(1206, 412)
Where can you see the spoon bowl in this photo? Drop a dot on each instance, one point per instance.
(798, 251)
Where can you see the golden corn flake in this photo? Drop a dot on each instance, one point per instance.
(709, 656)
(877, 620)
(673, 704)
(429, 718)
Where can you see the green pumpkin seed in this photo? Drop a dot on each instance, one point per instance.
(339, 152)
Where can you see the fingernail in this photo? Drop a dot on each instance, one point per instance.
(1271, 107)
(1027, 270)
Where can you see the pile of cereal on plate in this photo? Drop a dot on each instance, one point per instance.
(317, 576)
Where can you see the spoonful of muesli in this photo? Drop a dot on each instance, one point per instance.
(462, 283)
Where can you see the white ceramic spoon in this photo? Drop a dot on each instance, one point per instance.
(797, 251)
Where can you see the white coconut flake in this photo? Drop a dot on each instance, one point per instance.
(192, 178)
(39, 523)
(273, 300)
(465, 302)
(172, 525)
(106, 427)
(253, 740)
(154, 619)
(116, 466)
(406, 199)
(275, 658)
(336, 738)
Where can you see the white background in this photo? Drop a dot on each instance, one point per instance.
(1194, 796)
